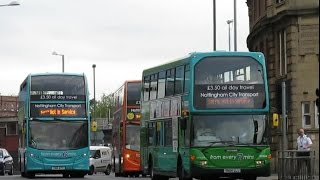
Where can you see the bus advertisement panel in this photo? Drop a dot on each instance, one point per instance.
(208, 118)
(54, 125)
(126, 130)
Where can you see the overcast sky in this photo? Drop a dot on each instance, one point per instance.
(122, 37)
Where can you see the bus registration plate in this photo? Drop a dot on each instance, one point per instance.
(58, 168)
(232, 170)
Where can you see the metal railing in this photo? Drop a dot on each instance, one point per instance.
(296, 165)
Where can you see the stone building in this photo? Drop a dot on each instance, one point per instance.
(287, 32)
(9, 138)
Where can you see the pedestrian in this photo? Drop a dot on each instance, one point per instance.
(304, 144)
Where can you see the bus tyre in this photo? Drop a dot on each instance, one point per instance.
(80, 175)
(29, 175)
(91, 170)
(182, 173)
(250, 178)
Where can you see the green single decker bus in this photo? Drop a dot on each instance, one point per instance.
(54, 125)
(205, 116)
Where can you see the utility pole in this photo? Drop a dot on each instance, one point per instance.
(284, 117)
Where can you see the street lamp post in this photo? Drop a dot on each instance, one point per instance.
(229, 22)
(214, 25)
(13, 3)
(56, 54)
(94, 99)
(235, 24)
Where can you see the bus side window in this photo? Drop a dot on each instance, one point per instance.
(158, 133)
(178, 84)
(146, 88)
(151, 134)
(186, 78)
(168, 133)
(170, 82)
(161, 84)
(153, 86)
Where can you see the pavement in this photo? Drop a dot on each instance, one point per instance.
(275, 177)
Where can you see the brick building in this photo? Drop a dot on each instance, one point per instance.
(9, 138)
(287, 32)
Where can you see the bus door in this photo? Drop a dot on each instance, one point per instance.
(184, 140)
(168, 151)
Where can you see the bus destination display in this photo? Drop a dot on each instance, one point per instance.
(54, 96)
(229, 96)
(57, 110)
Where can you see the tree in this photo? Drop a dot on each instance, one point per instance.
(103, 106)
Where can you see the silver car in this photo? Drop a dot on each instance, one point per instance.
(6, 162)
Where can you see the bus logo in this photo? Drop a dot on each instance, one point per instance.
(65, 154)
(239, 156)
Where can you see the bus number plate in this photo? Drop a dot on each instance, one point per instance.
(232, 170)
(58, 168)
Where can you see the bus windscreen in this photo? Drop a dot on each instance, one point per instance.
(57, 88)
(48, 90)
(229, 82)
(134, 93)
(58, 135)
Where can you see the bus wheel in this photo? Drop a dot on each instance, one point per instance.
(77, 175)
(250, 178)
(91, 170)
(182, 173)
(29, 175)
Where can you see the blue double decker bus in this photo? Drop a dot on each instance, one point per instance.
(54, 125)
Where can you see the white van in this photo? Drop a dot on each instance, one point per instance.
(100, 159)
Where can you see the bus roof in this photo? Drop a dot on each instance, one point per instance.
(184, 60)
(132, 81)
(48, 74)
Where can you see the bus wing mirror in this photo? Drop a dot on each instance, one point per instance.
(183, 123)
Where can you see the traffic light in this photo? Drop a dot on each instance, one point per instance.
(317, 100)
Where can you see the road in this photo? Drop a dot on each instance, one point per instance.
(99, 177)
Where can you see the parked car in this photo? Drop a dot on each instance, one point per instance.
(100, 159)
(6, 162)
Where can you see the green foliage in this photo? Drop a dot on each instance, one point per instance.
(103, 106)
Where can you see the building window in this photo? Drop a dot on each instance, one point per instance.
(12, 128)
(282, 53)
(306, 117)
(316, 116)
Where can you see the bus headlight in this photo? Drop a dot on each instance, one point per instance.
(32, 155)
(203, 163)
(259, 163)
(127, 156)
